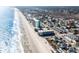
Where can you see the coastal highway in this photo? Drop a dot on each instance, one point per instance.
(31, 41)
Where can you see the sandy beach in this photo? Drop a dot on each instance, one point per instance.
(26, 43)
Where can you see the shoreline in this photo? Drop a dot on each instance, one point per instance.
(16, 39)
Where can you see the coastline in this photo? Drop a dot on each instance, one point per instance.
(16, 39)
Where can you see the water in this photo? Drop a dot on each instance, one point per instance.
(6, 30)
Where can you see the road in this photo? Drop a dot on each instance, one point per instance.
(30, 40)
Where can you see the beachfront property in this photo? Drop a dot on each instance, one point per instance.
(39, 29)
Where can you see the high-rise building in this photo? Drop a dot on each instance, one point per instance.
(36, 23)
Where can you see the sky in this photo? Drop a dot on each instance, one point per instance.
(39, 3)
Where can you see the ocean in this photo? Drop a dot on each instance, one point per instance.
(7, 31)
